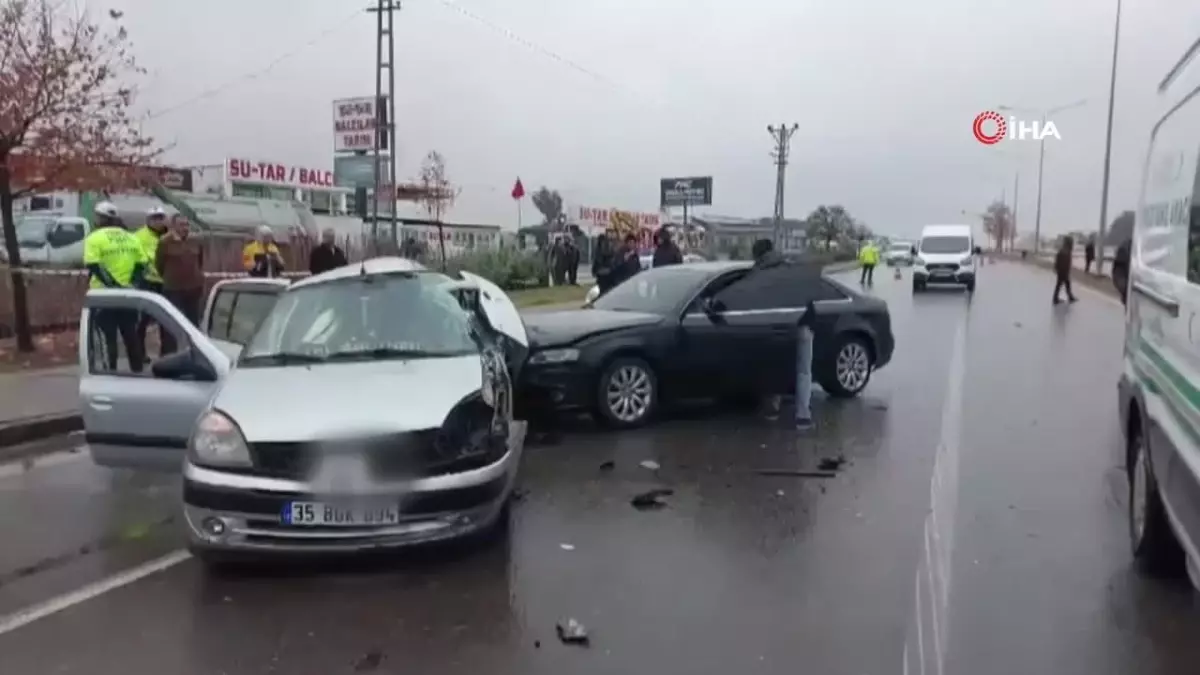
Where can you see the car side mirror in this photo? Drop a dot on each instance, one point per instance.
(185, 364)
(712, 307)
(978, 250)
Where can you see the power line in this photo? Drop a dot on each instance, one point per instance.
(253, 75)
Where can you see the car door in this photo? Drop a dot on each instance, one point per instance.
(143, 419)
(732, 350)
(236, 307)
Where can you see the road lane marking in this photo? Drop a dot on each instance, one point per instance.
(24, 617)
(937, 532)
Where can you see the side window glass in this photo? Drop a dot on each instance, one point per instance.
(824, 290)
(221, 315)
(248, 311)
(761, 289)
(123, 342)
(1193, 266)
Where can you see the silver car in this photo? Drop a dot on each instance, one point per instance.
(367, 407)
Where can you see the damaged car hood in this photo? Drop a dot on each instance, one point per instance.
(555, 329)
(318, 401)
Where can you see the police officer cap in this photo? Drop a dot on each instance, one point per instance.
(156, 212)
(106, 209)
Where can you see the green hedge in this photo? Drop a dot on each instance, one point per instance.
(507, 268)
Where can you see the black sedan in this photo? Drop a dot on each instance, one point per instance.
(703, 330)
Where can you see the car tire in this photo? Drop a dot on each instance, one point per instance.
(1156, 550)
(626, 393)
(917, 286)
(849, 370)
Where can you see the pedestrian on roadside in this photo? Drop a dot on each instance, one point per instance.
(115, 259)
(603, 260)
(573, 256)
(766, 258)
(261, 257)
(327, 255)
(1089, 254)
(1062, 269)
(149, 235)
(180, 261)
(665, 250)
(628, 261)
(1120, 269)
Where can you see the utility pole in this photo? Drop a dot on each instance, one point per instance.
(385, 119)
(782, 135)
(1112, 92)
(1012, 233)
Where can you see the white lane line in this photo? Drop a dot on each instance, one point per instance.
(28, 615)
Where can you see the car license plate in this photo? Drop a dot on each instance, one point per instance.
(307, 514)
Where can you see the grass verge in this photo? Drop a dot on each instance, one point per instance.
(556, 295)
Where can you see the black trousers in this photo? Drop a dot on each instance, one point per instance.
(188, 302)
(1061, 282)
(112, 322)
(868, 274)
(573, 274)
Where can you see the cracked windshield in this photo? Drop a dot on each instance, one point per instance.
(525, 337)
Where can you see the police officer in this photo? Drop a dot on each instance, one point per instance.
(148, 236)
(115, 259)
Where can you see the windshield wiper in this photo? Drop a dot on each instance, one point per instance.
(283, 358)
(382, 353)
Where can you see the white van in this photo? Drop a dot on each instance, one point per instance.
(1159, 389)
(945, 254)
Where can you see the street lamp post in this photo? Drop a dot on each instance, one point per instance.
(1037, 215)
(1112, 91)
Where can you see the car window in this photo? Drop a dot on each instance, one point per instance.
(236, 313)
(372, 317)
(655, 291)
(1193, 220)
(70, 232)
(111, 333)
(782, 287)
(945, 244)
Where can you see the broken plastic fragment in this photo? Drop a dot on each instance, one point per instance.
(571, 632)
(652, 499)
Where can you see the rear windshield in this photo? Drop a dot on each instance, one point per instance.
(945, 244)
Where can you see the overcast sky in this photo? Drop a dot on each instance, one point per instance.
(885, 93)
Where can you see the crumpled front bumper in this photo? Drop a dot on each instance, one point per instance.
(249, 508)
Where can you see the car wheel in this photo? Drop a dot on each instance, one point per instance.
(918, 286)
(849, 371)
(627, 393)
(1155, 547)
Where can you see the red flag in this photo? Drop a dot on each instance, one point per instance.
(518, 190)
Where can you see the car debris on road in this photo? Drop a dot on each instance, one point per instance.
(652, 499)
(571, 632)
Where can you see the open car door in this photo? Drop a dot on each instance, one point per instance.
(137, 415)
(501, 313)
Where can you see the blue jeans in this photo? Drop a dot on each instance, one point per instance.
(804, 357)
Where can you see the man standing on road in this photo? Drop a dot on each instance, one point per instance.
(765, 258)
(1062, 269)
(261, 257)
(180, 261)
(327, 255)
(1120, 269)
(115, 259)
(868, 257)
(665, 251)
(1089, 253)
(149, 235)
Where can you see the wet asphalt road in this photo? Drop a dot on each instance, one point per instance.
(979, 524)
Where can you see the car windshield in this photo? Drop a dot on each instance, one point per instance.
(32, 230)
(363, 318)
(945, 244)
(903, 247)
(654, 291)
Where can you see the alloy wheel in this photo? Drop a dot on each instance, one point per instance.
(628, 393)
(853, 366)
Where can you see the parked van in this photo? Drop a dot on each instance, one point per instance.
(945, 254)
(1159, 388)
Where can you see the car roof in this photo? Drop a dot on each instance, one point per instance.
(712, 266)
(934, 230)
(373, 266)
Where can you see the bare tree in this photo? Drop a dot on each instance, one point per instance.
(997, 223)
(437, 193)
(64, 116)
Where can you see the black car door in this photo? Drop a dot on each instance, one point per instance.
(802, 287)
(732, 348)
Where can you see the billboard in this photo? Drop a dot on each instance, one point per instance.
(358, 171)
(355, 121)
(694, 191)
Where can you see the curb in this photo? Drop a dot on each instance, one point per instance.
(20, 431)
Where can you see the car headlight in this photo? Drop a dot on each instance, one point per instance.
(554, 356)
(217, 441)
(967, 261)
(472, 435)
(918, 262)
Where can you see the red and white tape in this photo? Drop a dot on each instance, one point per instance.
(61, 272)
